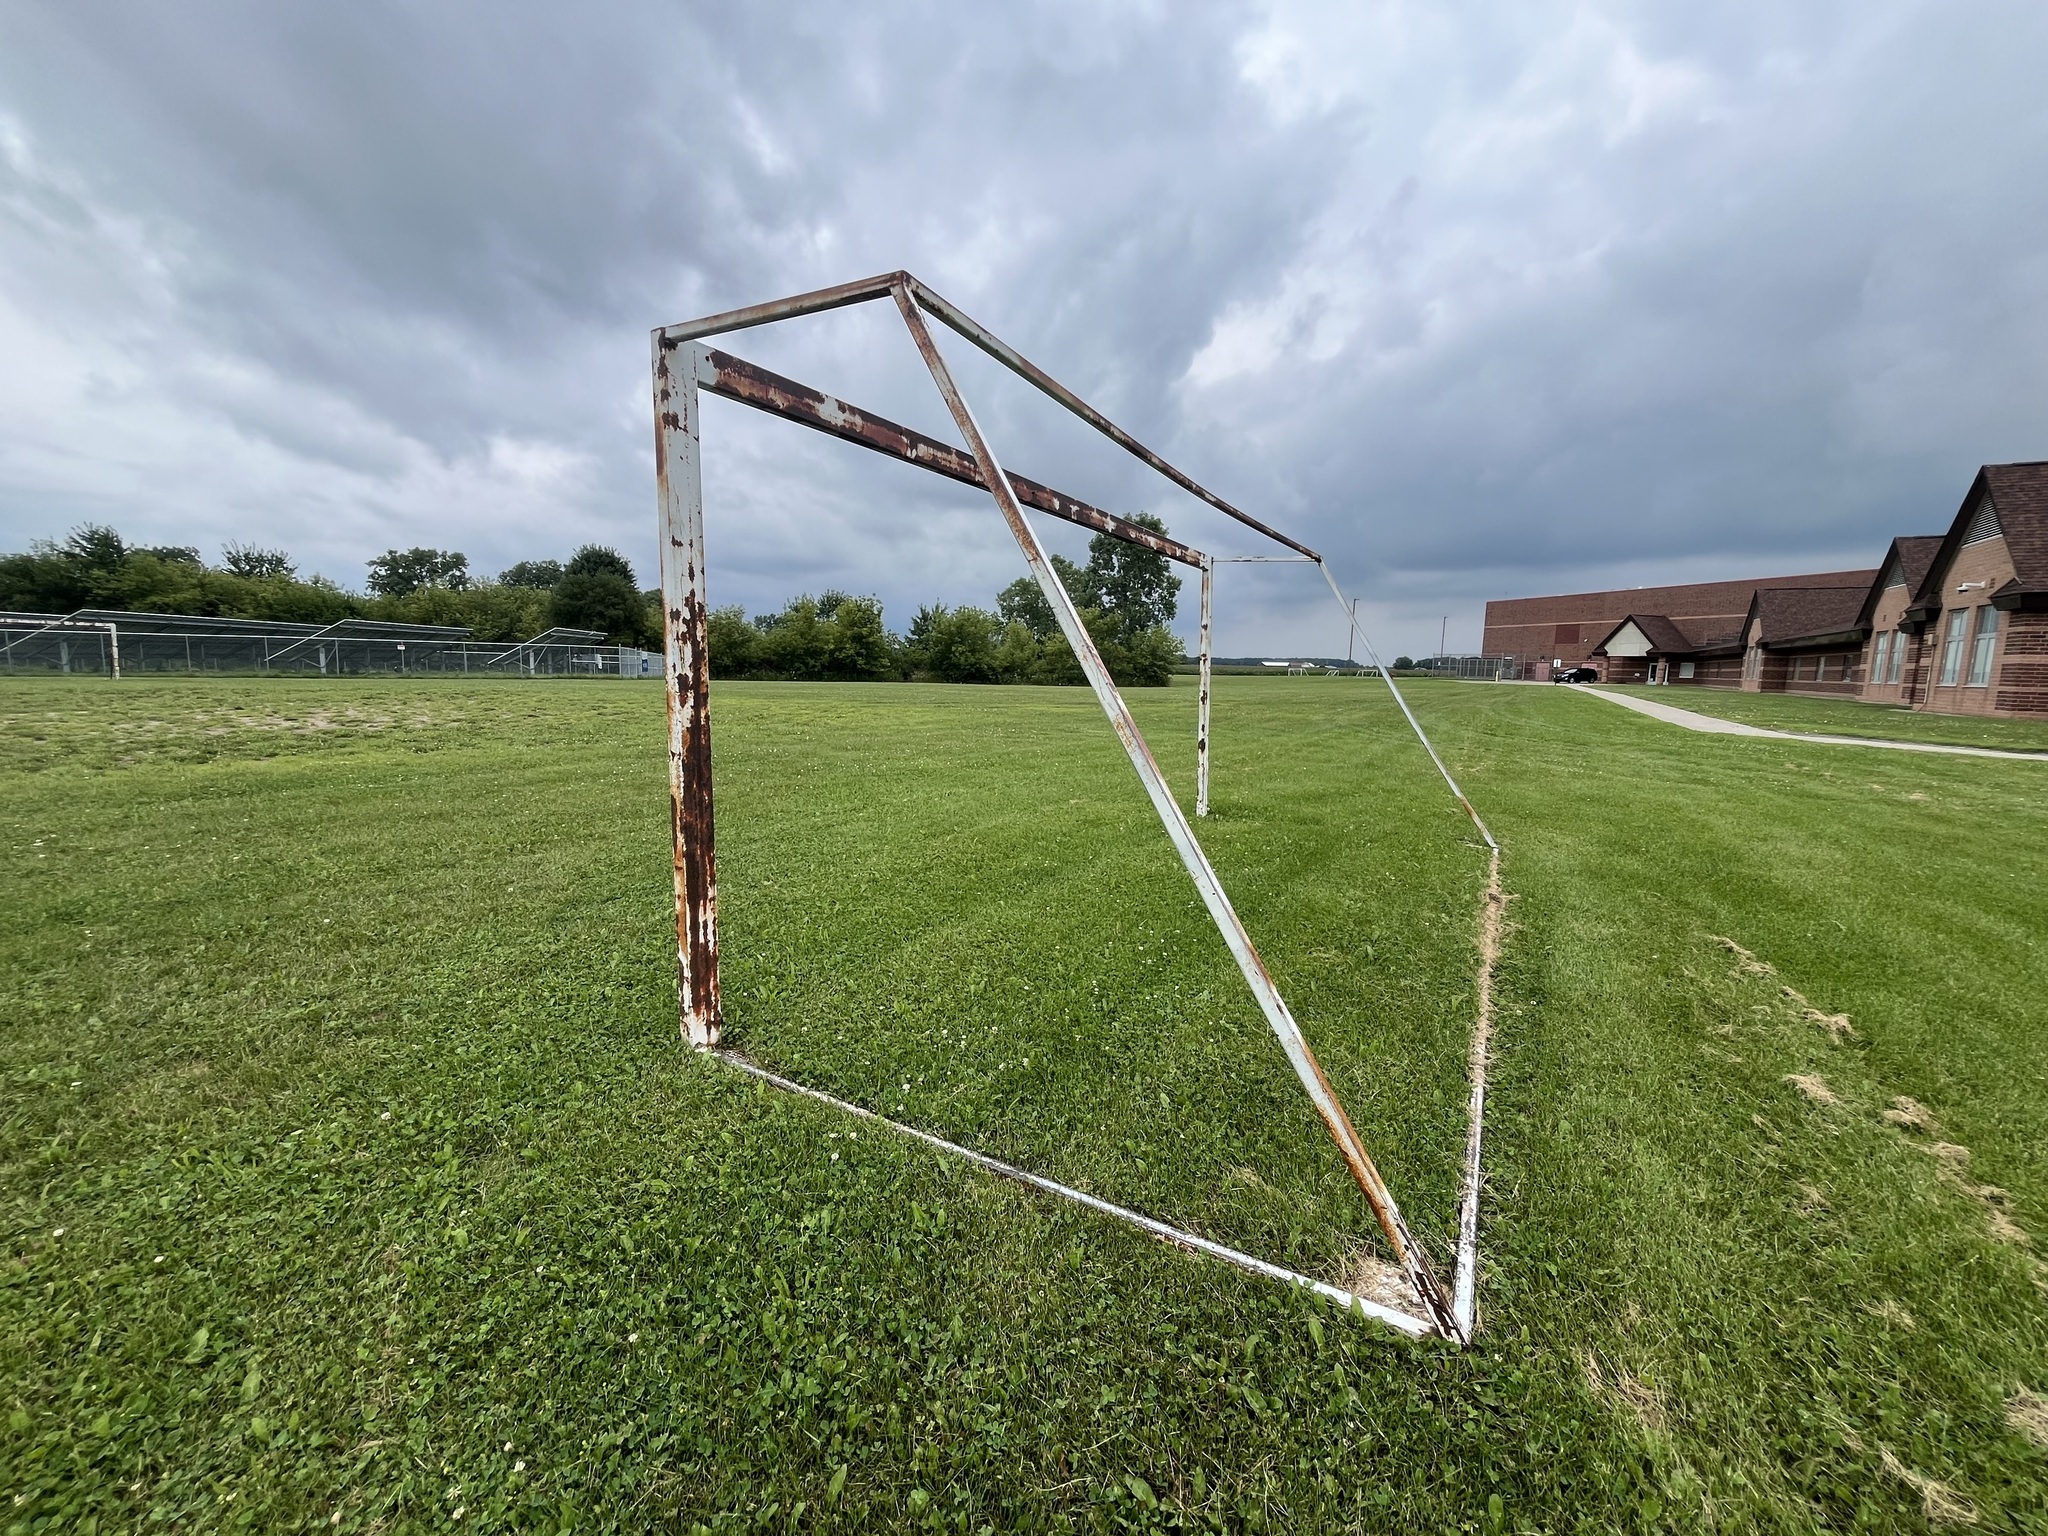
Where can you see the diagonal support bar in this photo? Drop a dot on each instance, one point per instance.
(737, 379)
(1412, 1257)
(1025, 369)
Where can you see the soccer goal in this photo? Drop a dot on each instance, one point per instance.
(684, 366)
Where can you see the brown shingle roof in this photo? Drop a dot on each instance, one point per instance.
(2019, 494)
(1905, 562)
(1672, 637)
(1795, 615)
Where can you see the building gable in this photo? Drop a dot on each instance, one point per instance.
(1628, 640)
(1983, 523)
(2005, 501)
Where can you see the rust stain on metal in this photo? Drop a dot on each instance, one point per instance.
(1409, 1253)
(1017, 363)
(687, 668)
(737, 379)
(679, 484)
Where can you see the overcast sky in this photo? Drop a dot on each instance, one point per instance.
(1482, 300)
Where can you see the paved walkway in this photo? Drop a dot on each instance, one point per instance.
(1672, 715)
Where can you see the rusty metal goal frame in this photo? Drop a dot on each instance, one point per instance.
(683, 366)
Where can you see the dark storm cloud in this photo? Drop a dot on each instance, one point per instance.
(1511, 302)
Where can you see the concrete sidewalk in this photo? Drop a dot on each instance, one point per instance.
(1671, 715)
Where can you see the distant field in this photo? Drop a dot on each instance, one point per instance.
(1850, 717)
(354, 1177)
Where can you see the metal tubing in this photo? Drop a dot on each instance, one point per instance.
(686, 645)
(1411, 1256)
(736, 379)
(1022, 366)
(1414, 1327)
(1414, 724)
(1465, 1277)
(814, 302)
(1202, 698)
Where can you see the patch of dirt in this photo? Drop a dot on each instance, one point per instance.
(1996, 1214)
(1891, 1312)
(2027, 1414)
(1912, 1115)
(1811, 1201)
(1836, 1024)
(1627, 1393)
(1814, 1086)
(1382, 1283)
(1746, 964)
(1956, 1159)
(1941, 1504)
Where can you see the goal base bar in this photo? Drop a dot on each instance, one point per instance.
(1400, 1322)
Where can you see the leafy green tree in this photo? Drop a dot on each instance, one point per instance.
(541, 575)
(597, 590)
(958, 645)
(95, 547)
(254, 564)
(1133, 584)
(834, 638)
(491, 610)
(735, 644)
(398, 572)
(1126, 595)
(1144, 658)
(601, 600)
(600, 560)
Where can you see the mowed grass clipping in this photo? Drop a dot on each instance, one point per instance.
(356, 1179)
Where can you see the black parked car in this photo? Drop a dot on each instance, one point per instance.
(1576, 675)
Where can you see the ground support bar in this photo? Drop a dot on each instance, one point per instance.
(1401, 1322)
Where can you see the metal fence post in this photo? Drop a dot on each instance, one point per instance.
(1202, 696)
(688, 667)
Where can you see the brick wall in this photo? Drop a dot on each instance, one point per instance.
(2023, 673)
(1568, 626)
(1980, 568)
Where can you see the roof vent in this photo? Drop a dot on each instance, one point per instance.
(1983, 523)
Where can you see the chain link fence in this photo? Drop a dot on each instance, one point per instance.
(113, 644)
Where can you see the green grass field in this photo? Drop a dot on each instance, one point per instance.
(355, 1178)
(1850, 717)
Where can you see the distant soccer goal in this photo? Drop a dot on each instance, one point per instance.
(684, 366)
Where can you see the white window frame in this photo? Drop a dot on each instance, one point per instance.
(1881, 656)
(1952, 647)
(1983, 642)
(1898, 665)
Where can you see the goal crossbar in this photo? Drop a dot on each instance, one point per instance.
(682, 366)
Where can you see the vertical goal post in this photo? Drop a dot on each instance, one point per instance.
(683, 366)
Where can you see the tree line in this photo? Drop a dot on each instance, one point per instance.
(1127, 597)
(96, 568)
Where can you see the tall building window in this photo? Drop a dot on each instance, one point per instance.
(1952, 647)
(1881, 657)
(1980, 652)
(1898, 656)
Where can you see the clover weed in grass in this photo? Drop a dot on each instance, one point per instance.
(354, 1177)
